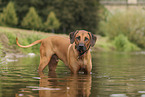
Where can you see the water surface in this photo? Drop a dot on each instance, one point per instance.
(113, 75)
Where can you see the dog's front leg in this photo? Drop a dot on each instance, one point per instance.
(74, 68)
(88, 64)
(88, 69)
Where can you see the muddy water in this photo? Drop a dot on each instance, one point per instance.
(113, 75)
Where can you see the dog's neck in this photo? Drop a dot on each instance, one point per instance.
(79, 56)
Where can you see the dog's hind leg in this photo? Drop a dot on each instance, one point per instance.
(45, 57)
(43, 63)
(53, 63)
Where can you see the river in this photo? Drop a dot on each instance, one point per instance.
(113, 75)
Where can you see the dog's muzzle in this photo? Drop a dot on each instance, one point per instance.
(81, 47)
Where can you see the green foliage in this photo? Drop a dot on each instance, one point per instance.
(103, 15)
(104, 44)
(32, 20)
(72, 14)
(11, 37)
(52, 22)
(9, 17)
(2, 22)
(131, 23)
(25, 37)
(123, 44)
(28, 40)
(26, 50)
(35, 49)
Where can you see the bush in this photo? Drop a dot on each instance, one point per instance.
(131, 23)
(32, 20)
(123, 44)
(103, 14)
(8, 17)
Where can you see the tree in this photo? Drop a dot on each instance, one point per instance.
(3, 3)
(9, 17)
(72, 14)
(32, 20)
(52, 22)
(75, 14)
(2, 19)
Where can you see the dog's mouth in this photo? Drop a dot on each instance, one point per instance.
(81, 50)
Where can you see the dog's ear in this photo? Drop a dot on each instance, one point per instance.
(93, 40)
(71, 36)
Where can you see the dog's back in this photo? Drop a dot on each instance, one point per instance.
(59, 45)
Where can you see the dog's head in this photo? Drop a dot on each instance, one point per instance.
(82, 39)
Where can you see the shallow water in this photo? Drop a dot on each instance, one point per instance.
(113, 75)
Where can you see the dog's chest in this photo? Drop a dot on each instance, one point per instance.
(82, 63)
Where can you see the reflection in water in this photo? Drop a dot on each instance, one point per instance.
(113, 75)
(52, 86)
(70, 86)
(118, 95)
(118, 73)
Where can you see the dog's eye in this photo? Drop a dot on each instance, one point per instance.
(86, 39)
(78, 38)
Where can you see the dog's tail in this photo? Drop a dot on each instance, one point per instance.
(36, 42)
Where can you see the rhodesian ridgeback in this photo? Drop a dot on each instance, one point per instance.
(74, 52)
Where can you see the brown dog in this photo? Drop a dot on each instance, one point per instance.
(74, 52)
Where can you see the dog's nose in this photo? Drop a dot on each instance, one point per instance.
(81, 46)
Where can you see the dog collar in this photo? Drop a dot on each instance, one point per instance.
(81, 54)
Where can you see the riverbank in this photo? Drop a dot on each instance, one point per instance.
(8, 41)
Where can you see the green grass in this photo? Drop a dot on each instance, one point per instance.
(8, 39)
(122, 43)
(104, 44)
(129, 22)
(0, 48)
